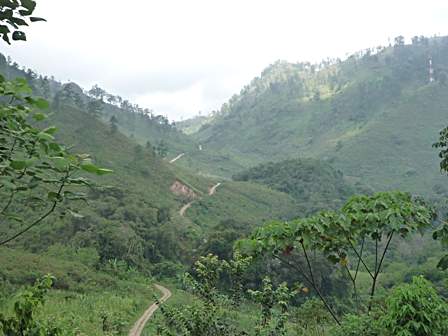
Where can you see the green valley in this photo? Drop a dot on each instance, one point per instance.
(313, 202)
(375, 107)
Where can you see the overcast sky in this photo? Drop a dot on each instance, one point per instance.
(179, 57)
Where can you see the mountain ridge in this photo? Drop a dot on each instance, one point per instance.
(375, 104)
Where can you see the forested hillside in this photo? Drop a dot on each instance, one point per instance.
(271, 217)
(315, 184)
(131, 227)
(378, 108)
(136, 206)
(142, 125)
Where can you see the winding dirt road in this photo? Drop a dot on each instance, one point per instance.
(177, 158)
(138, 327)
(185, 208)
(211, 192)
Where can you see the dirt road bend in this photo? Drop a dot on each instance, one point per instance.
(138, 327)
(185, 208)
(212, 190)
(177, 158)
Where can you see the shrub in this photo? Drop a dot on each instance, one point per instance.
(413, 309)
(23, 321)
(356, 325)
(416, 309)
(312, 313)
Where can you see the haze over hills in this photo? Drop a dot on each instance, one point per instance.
(376, 107)
(270, 202)
(139, 206)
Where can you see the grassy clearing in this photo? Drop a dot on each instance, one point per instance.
(85, 301)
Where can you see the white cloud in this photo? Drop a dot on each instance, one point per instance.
(178, 56)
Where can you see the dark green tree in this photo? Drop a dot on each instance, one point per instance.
(442, 145)
(207, 316)
(415, 40)
(375, 219)
(97, 92)
(150, 148)
(161, 149)
(113, 124)
(46, 89)
(70, 94)
(95, 107)
(399, 41)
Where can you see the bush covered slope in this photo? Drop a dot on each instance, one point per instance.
(314, 184)
(374, 115)
(134, 213)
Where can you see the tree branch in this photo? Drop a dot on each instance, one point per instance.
(8, 204)
(316, 288)
(377, 272)
(296, 267)
(360, 258)
(41, 218)
(385, 251)
(376, 255)
(11, 150)
(355, 289)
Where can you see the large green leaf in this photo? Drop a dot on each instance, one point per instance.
(29, 5)
(39, 116)
(104, 171)
(90, 168)
(60, 163)
(42, 103)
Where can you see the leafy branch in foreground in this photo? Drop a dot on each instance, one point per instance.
(213, 311)
(209, 315)
(272, 322)
(15, 14)
(341, 236)
(37, 174)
